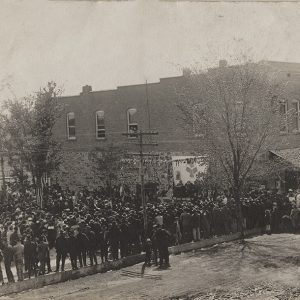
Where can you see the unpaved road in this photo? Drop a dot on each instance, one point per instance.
(267, 268)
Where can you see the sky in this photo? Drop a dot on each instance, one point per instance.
(106, 44)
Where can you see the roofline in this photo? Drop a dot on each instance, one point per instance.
(180, 76)
(124, 86)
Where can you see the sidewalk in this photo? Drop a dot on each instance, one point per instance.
(57, 277)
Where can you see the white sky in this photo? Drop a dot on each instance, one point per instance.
(106, 44)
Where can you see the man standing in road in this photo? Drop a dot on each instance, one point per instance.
(162, 236)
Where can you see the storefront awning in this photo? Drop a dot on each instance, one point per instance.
(290, 155)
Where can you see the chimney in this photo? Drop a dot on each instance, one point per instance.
(222, 63)
(86, 89)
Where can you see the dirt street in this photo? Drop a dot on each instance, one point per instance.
(266, 267)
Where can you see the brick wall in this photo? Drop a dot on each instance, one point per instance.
(78, 170)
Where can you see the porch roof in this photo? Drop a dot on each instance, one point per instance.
(290, 155)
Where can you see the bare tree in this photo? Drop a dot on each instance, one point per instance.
(235, 110)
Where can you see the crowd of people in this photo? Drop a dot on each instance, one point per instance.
(89, 228)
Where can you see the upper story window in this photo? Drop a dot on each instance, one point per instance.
(100, 125)
(295, 116)
(71, 126)
(132, 125)
(283, 115)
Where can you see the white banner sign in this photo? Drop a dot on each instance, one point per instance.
(186, 168)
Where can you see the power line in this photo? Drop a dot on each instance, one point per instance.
(148, 108)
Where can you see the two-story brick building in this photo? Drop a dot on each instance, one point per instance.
(98, 119)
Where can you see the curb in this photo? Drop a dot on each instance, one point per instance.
(58, 277)
(210, 242)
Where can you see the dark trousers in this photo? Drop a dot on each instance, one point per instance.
(82, 257)
(31, 266)
(1, 274)
(114, 250)
(124, 248)
(93, 257)
(104, 253)
(48, 262)
(42, 265)
(163, 256)
(155, 255)
(26, 262)
(73, 258)
(148, 258)
(9, 274)
(60, 256)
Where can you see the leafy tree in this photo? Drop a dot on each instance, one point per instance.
(30, 144)
(108, 163)
(235, 111)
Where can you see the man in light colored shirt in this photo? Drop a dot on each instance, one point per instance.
(18, 251)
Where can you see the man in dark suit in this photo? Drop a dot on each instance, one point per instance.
(162, 237)
(62, 248)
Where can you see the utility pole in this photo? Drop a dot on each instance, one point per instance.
(4, 188)
(3, 178)
(141, 155)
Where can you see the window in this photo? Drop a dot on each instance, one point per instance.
(132, 125)
(71, 126)
(295, 116)
(283, 119)
(100, 126)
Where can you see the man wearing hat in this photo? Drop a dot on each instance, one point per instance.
(162, 237)
(61, 246)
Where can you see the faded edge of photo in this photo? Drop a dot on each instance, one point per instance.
(178, 0)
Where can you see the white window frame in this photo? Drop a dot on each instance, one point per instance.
(131, 124)
(297, 113)
(103, 130)
(72, 126)
(286, 123)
